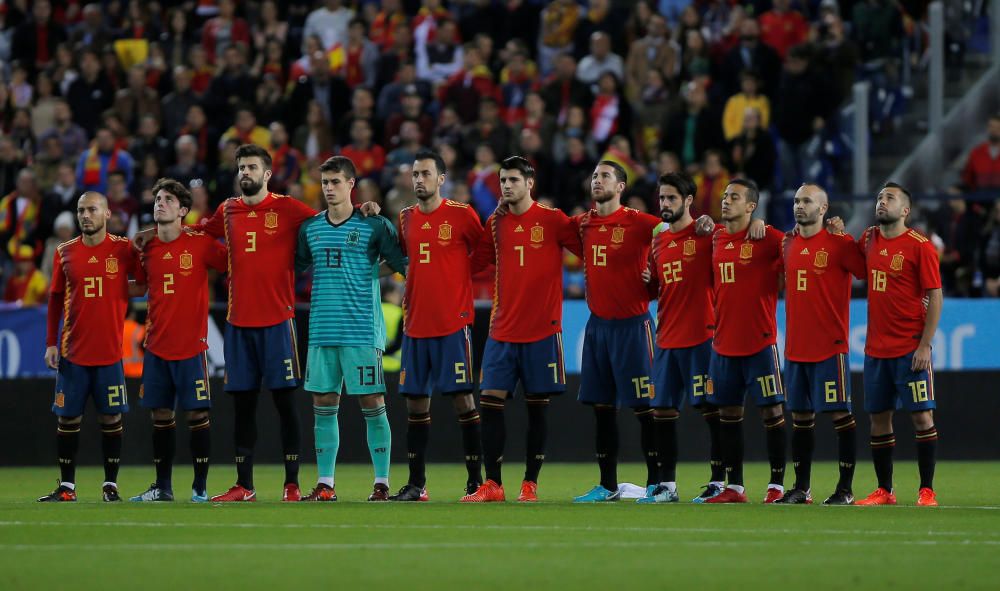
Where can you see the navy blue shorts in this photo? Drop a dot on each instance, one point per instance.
(539, 366)
(268, 353)
(76, 383)
(820, 386)
(732, 378)
(442, 364)
(681, 374)
(617, 364)
(175, 384)
(890, 384)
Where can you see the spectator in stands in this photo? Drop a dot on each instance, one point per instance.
(102, 157)
(571, 182)
(246, 130)
(982, 167)
(224, 31)
(11, 163)
(356, 61)
(329, 92)
(205, 136)
(518, 77)
(600, 16)
(367, 190)
(838, 54)
(20, 132)
(368, 157)
(405, 152)
(696, 61)
(752, 152)
(35, 40)
(468, 86)
(531, 147)
(286, 167)
(149, 142)
(202, 72)
(90, 94)
(63, 228)
(710, 181)
(558, 25)
(412, 110)
(576, 125)
(484, 181)
(782, 27)
(47, 161)
(564, 90)
(92, 32)
(137, 23)
(803, 107)
(187, 166)
(20, 214)
(175, 105)
(654, 51)
(537, 119)
(269, 100)
(440, 58)
(28, 286)
(488, 128)
(271, 61)
(362, 107)
(177, 39)
(989, 251)
(390, 60)
(313, 137)
(43, 108)
(609, 113)
(121, 202)
(401, 194)
(599, 61)
(61, 197)
(749, 97)
(693, 128)
(448, 131)
(877, 27)
(230, 86)
(959, 226)
(136, 100)
(751, 54)
(386, 22)
(223, 185)
(329, 22)
(268, 26)
(392, 95)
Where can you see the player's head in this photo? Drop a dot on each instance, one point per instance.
(171, 201)
(517, 178)
(253, 164)
(92, 212)
(337, 176)
(810, 204)
(428, 174)
(677, 191)
(739, 200)
(608, 181)
(893, 204)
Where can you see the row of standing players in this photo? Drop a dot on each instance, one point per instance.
(715, 339)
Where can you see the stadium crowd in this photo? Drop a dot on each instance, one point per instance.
(110, 96)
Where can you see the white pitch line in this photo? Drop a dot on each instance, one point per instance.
(441, 527)
(298, 547)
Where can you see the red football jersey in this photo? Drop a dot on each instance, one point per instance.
(90, 284)
(818, 273)
(261, 241)
(615, 250)
(900, 271)
(176, 274)
(437, 300)
(746, 291)
(527, 249)
(682, 268)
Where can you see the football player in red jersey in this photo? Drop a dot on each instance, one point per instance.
(90, 295)
(174, 267)
(904, 307)
(818, 266)
(744, 352)
(439, 235)
(525, 342)
(617, 364)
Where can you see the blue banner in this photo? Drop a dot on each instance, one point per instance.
(22, 342)
(967, 338)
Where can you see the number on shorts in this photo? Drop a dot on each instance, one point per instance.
(767, 385)
(919, 390)
(698, 385)
(116, 395)
(290, 369)
(367, 375)
(643, 389)
(460, 373)
(831, 391)
(201, 390)
(555, 372)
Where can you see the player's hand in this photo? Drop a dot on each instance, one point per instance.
(835, 225)
(502, 208)
(704, 225)
(52, 357)
(757, 230)
(370, 208)
(141, 239)
(921, 358)
(647, 275)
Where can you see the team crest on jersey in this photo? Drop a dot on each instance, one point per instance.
(60, 399)
(537, 234)
(820, 259)
(444, 231)
(897, 262)
(353, 237)
(618, 235)
(690, 247)
(271, 220)
(111, 265)
(746, 251)
(187, 261)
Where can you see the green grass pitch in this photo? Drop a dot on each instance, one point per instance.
(352, 544)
